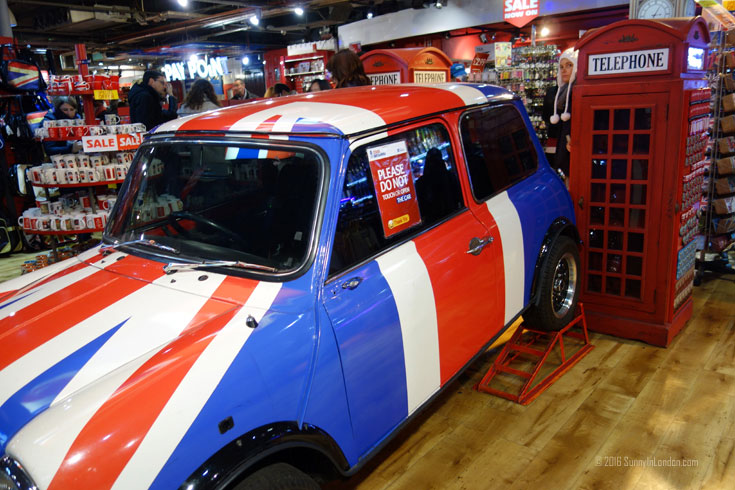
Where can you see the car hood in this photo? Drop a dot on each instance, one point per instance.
(96, 316)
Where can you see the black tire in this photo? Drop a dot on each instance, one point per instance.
(278, 476)
(557, 289)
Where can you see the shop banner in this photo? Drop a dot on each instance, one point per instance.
(112, 142)
(389, 78)
(520, 12)
(429, 76)
(393, 181)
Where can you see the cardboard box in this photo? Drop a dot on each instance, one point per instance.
(728, 102)
(725, 205)
(725, 185)
(728, 123)
(726, 165)
(727, 145)
(725, 225)
(728, 81)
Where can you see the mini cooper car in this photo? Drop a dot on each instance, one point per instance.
(281, 286)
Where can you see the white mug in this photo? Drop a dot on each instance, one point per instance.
(111, 119)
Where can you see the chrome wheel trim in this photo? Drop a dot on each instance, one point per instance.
(564, 285)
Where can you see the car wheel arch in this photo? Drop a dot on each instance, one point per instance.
(561, 226)
(275, 442)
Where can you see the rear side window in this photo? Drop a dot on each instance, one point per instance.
(498, 149)
(364, 227)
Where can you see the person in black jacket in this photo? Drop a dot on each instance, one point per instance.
(558, 99)
(64, 108)
(145, 100)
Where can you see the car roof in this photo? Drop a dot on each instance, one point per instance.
(342, 112)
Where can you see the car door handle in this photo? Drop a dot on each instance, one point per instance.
(476, 245)
(352, 283)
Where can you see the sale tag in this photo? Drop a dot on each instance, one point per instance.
(520, 12)
(106, 95)
(107, 142)
(393, 181)
(129, 141)
(478, 62)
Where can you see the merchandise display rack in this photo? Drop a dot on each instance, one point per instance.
(717, 210)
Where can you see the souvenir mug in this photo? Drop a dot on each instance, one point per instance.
(111, 119)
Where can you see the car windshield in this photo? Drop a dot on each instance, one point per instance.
(200, 202)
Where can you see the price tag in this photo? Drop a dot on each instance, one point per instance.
(106, 95)
(112, 186)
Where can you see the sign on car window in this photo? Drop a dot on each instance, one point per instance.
(393, 181)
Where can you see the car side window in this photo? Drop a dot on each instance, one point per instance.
(498, 149)
(361, 229)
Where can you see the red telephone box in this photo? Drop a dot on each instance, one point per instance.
(406, 65)
(640, 116)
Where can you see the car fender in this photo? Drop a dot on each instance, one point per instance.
(560, 226)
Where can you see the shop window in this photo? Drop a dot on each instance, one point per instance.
(360, 233)
(498, 149)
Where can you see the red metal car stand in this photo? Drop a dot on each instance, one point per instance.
(520, 345)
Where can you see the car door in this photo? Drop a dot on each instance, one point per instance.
(408, 308)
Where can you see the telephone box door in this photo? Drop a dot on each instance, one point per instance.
(619, 195)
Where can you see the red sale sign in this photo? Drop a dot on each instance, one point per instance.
(478, 62)
(520, 12)
(112, 142)
(393, 181)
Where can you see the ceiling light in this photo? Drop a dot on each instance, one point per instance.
(369, 14)
(183, 3)
(254, 20)
(544, 31)
(299, 11)
(245, 60)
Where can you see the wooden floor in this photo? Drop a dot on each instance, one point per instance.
(628, 416)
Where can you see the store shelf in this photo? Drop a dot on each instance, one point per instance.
(81, 184)
(308, 58)
(304, 73)
(70, 232)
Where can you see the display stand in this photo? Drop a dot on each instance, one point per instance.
(299, 70)
(529, 343)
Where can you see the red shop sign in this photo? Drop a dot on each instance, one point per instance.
(520, 12)
(393, 180)
(478, 63)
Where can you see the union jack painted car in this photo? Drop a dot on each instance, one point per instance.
(281, 286)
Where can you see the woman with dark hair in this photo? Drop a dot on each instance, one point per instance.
(277, 90)
(201, 98)
(319, 85)
(347, 70)
(64, 108)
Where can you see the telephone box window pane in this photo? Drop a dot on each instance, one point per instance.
(617, 217)
(594, 283)
(619, 169)
(602, 120)
(615, 263)
(620, 144)
(617, 193)
(597, 215)
(599, 144)
(637, 218)
(639, 170)
(597, 239)
(641, 144)
(634, 266)
(598, 193)
(635, 242)
(599, 169)
(621, 120)
(637, 194)
(633, 288)
(615, 240)
(595, 263)
(612, 285)
(642, 118)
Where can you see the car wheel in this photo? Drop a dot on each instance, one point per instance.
(278, 476)
(558, 288)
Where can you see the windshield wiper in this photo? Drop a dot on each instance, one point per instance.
(106, 249)
(173, 267)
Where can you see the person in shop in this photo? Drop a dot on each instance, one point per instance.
(146, 98)
(277, 90)
(558, 100)
(64, 108)
(240, 92)
(347, 70)
(319, 85)
(201, 98)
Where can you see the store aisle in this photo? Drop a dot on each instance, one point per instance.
(628, 416)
